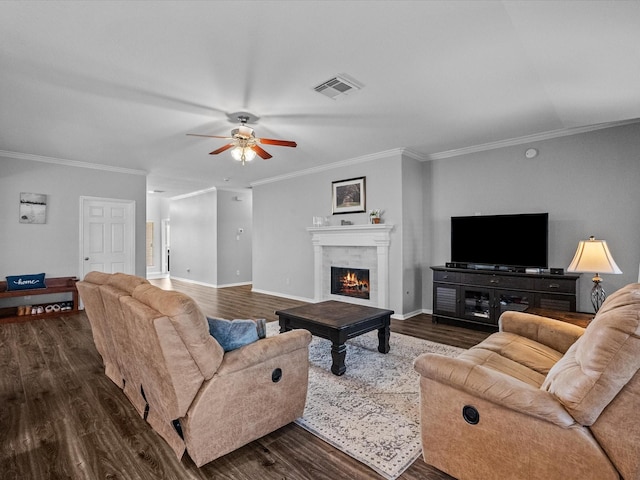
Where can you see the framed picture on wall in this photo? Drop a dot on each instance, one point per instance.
(33, 208)
(348, 196)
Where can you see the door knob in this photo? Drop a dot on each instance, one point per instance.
(86, 258)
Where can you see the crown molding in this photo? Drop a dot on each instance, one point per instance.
(212, 189)
(537, 137)
(415, 155)
(331, 166)
(234, 189)
(565, 132)
(194, 194)
(69, 163)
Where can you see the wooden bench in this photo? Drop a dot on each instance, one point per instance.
(55, 285)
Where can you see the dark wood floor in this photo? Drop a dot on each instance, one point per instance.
(241, 302)
(61, 417)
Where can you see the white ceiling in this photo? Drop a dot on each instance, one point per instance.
(122, 83)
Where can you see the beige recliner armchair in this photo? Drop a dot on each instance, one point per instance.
(156, 346)
(540, 399)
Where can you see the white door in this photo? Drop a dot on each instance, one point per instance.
(107, 231)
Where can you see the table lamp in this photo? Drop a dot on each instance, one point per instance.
(593, 256)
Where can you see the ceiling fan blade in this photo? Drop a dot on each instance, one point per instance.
(262, 152)
(282, 143)
(208, 136)
(222, 149)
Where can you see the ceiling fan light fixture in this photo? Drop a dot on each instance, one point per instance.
(244, 144)
(244, 131)
(243, 154)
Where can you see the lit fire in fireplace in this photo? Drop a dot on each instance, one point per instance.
(350, 282)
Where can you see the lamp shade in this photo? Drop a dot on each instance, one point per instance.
(593, 256)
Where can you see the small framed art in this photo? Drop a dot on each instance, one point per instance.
(348, 195)
(33, 208)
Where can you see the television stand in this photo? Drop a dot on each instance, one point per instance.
(479, 296)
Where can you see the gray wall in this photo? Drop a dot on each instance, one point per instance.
(413, 241)
(283, 209)
(589, 184)
(194, 239)
(234, 248)
(206, 246)
(54, 247)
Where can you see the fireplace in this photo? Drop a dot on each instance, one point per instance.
(362, 246)
(350, 282)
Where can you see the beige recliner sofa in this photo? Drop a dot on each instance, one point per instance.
(156, 346)
(540, 399)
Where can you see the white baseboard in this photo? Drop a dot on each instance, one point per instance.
(195, 282)
(234, 284)
(410, 314)
(404, 316)
(156, 275)
(204, 284)
(283, 295)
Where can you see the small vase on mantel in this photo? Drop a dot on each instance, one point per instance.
(374, 216)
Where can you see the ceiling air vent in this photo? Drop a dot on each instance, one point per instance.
(338, 86)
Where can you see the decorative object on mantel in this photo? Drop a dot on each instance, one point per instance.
(348, 196)
(375, 215)
(593, 256)
(33, 208)
(321, 221)
(346, 222)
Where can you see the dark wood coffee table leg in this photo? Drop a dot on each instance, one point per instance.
(338, 354)
(383, 339)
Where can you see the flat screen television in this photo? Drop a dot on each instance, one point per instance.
(512, 241)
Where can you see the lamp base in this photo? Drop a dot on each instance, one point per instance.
(598, 294)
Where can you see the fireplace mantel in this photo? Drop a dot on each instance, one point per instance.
(369, 235)
(351, 235)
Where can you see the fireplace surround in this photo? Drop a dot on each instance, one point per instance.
(352, 246)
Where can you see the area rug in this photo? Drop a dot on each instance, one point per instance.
(372, 411)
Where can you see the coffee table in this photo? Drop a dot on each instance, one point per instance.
(338, 322)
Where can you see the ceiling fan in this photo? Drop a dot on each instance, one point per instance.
(246, 143)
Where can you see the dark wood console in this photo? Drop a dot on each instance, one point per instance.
(481, 296)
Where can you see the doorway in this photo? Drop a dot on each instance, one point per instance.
(166, 246)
